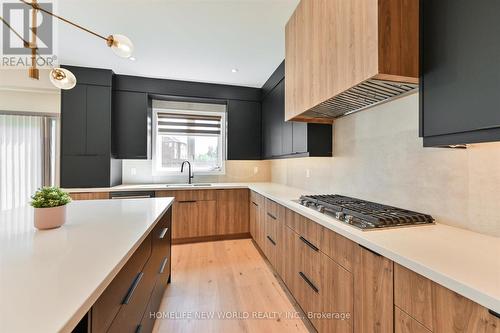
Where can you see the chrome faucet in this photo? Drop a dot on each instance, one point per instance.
(190, 175)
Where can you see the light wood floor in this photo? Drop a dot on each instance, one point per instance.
(227, 276)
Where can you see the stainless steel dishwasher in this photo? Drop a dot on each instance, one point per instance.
(132, 194)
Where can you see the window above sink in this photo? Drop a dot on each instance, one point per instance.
(194, 132)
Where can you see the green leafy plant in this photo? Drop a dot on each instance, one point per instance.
(47, 197)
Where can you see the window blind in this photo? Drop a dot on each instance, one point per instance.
(188, 124)
(21, 159)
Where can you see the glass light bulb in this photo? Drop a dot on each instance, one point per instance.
(62, 78)
(121, 45)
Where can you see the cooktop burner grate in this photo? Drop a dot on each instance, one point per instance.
(364, 214)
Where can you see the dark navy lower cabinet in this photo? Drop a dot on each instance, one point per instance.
(460, 77)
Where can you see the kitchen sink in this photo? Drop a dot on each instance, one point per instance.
(189, 185)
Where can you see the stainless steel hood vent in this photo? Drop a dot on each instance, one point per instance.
(364, 95)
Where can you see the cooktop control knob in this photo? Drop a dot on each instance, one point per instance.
(339, 215)
(349, 219)
(320, 209)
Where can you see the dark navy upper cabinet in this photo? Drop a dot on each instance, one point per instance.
(86, 159)
(131, 125)
(244, 138)
(460, 77)
(285, 139)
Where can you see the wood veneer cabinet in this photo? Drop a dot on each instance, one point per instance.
(322, 288)
(201, 215)
(257, 219)
(274, 242)
(89, 195)
(333, 45)
(138, 288)
(403, 323)
(373, 292)
(232, 212)
(438, 309)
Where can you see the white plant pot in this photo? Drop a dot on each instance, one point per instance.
(50, 218)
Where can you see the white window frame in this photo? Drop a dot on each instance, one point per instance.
(158, 171)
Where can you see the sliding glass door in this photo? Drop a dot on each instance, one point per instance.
(27, 157)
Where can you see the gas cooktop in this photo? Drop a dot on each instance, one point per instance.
(363, 214)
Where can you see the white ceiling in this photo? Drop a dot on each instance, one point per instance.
(195, 40)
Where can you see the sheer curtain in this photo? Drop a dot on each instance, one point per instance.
(21, 158)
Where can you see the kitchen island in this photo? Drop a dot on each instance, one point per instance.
(49, 280)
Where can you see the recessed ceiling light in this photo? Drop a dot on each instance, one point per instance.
(132, 58)
(235, 70)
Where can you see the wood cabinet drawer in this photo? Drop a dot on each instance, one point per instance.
(257, 219)
(437, 308)
(337, 247)
(272, 209)
(301, 271)
(148, 320)
(413, 295)
(306, 228)
(274, 240)
(131, 312)
(109, 303)
(335, 298)
(256, 198)
(189, 195)
(373, 292)
(319, 284)
(403, 323)
(162, 236)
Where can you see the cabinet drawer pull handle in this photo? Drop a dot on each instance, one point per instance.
(255, 203)
(367, 249)
(132, 288)
(493, 313)
(163, 264)
(271, 240)
(308, 243)
(313, 287)
(187, 201)
(163, 233)
(271, 216)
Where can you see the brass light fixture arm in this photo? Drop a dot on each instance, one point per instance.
(37, 7)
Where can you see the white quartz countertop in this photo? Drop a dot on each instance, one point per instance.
(159, 187)
(461, 260)
(50, 279)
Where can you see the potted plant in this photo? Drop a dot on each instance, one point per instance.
(50, 207)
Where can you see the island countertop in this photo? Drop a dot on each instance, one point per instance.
(49, 279)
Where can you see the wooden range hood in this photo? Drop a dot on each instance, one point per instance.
(343, 56)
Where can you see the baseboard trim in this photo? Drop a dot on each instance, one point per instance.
(210, 238)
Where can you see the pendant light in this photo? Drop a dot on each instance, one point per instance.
(62, 78)
(120, 45)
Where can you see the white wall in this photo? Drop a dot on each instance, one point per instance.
(378, 156)
(141, 172)
(20, 93)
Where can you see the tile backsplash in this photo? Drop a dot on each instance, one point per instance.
(141, 172)
(378, 156)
